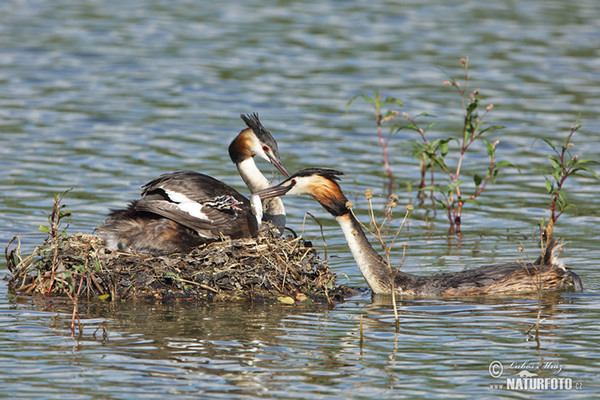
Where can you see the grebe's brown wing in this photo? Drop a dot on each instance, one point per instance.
(502, 278)
(200, 202)
(506, 278)
(129, 230)
(207, 220)
(189, 186)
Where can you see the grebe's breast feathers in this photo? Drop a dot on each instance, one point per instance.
(200, 202)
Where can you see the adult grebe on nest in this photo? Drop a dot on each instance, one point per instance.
(490, 279)
(181, 210)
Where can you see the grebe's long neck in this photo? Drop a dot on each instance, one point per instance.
(371, 264)
(274, 211)
(373, 267)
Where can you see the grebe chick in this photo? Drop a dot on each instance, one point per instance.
(181, 210)
(322, 185)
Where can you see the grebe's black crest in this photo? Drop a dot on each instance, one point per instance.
(260, 131)
(320, 183)
(254, 123)
(252, 141)
(332, 174)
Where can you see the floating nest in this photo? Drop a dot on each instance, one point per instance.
(265, 270)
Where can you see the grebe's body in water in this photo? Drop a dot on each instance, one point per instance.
(322, 185)
(181, 210)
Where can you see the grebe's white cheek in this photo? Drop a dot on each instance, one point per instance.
(260, 152)
(257, 209)
(297, 190)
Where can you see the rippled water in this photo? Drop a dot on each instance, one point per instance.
(101, 97)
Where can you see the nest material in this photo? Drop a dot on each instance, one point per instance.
(265, 269)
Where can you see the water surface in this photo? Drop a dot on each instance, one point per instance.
(102, 97)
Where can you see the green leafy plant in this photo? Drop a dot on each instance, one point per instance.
(380, 118)
(58, 222)
(563, 165)
(432, 153)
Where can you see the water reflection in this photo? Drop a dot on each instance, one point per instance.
(261, 350)
(104, 96)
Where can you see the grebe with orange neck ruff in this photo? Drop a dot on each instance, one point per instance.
(322, 185)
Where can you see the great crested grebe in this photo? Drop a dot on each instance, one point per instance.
(322, 185)
(181, 210)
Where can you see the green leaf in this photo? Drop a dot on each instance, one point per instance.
(588, 170)
(454, 185)
(549, 144)
(477, 179)
(490, 128)
(471, 201)
(438, 161)
(62, 214)
(441, 203)
(504, 163)
(490, 148)
(472, 106)
(431, 187)
(364, 96)
(393, 100)
(549, 186)
(44, 229)
(444, 148)
(418, 149)
(431, 125)
(412, 127)
(556, 176)
(555, 162)
(586, 161)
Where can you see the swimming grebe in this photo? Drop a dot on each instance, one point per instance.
(322, 185)
(181, 210)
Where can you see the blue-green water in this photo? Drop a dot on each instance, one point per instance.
(101, 97)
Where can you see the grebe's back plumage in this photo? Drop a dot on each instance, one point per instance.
(322, 184)
(201, 203)
(181, 210)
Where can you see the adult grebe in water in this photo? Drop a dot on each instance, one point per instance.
(181, 210)
(490, 279)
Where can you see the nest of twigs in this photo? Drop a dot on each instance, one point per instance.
(265, 269)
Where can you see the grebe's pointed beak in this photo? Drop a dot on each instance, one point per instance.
(274, 191)
(278, 164)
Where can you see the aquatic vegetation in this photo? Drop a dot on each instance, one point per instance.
(380, 119)
(563, 165)
(431, 154)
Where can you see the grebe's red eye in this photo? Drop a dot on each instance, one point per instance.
(266, 149)
(293, 182)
